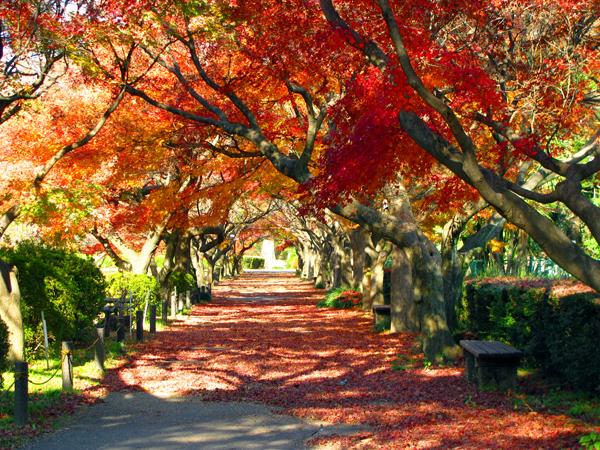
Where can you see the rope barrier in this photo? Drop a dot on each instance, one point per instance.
(53, 375)
(8, 388)
(89, 347)
(65, 354)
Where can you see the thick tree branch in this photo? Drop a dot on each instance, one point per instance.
(315, 121)
(464, 141)
(374, 54)
(106, 244)
(232, 96)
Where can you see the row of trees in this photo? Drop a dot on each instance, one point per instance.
(164, 120)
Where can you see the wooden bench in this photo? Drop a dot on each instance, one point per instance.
(491, 364)
(380, 311)
(115, 308)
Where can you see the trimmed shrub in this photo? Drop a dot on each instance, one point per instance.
(136, 285)
(3, 349)
(341, 298)
(570, 347)
(503, 312)
(67, 287)
(253, 262)
(558, 334)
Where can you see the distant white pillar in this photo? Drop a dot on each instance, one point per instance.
(268, 253)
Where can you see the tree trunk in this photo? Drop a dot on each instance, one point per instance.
(210, 273)
(453, 273)
(366, 288)
(358, 241)
(429, 290)
(305, 261)
(183, 262)
(316, 255)
(453, 266)
(171, 241)
(10, 311)
(197, 263)
(346, 269)
(335, 264)
(9, 217)
(237, 264)
(405, 309)
(322, 268)
(141, 263)
(417, 295)
(310, 257)
(299, 252)
(378, 255)
(370, 256)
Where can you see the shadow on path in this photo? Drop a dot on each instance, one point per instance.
(135, 420)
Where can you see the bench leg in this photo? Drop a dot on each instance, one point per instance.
(470, 368)
(502, 378)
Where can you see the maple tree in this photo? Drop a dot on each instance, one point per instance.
(33, 154)
(475, 107)
(179, 203)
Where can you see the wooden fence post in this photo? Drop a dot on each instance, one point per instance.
(21, 394)
(164, 312)
(67, 365)
(121, 327)
(99, 353)
(152, 318)
(139, 326)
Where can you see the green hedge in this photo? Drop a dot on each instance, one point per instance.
(67, 287)
(558, 335)
(253, 262)
(138, 286)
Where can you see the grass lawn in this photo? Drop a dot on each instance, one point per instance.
(49, 406)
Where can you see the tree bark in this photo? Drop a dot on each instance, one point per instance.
(453, 270)
(417, 295)
(514, 202)
(8, 217)
(405, 309)
(305, 261)
(358, 244)
(378, 254)
(10, 311)
(438, 344)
